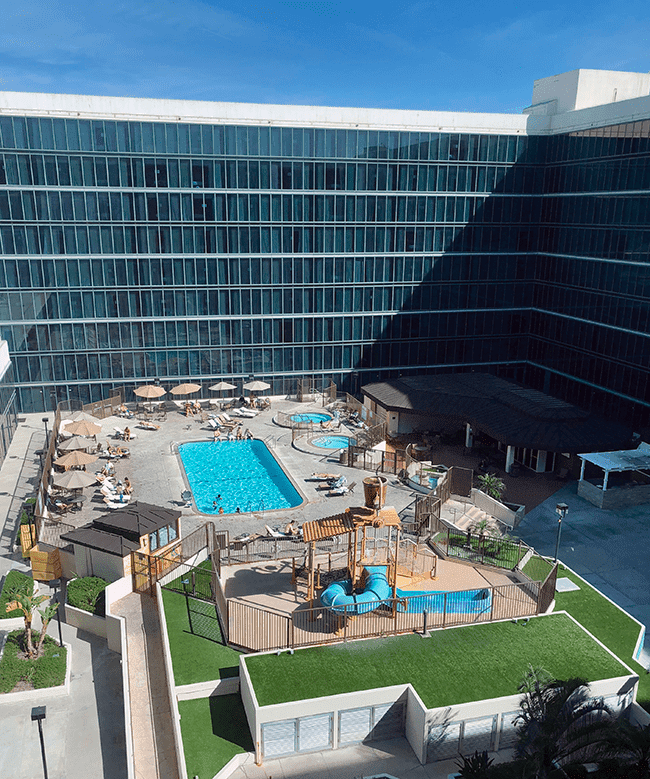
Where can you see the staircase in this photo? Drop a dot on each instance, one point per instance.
(464, 515)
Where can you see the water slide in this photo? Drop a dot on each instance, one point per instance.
(341, 599)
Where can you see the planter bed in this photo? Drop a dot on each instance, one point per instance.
(47, 671)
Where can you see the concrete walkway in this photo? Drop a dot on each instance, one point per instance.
(151, 718)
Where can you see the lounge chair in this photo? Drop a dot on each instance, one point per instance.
(343, 490)
(323, 477)
(120, 433)
(117, 504)
(213, 423)
(145, 425)
(333, 484)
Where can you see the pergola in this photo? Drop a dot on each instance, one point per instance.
(618, 462)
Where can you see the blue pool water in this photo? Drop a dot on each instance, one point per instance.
(333, 441)
(244, 473)
(311, 417)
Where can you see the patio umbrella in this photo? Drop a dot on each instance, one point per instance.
(222, 385)
(74, 480)
(256, 386)
(83, 428)
(79, 416)
(185, 389)
(75, 458)
(76, 442)
(149, 391)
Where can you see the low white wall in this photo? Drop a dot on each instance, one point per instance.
(188, 692)
(249, 701)
(114, 625)
(171, 687)
(415, 725)
(493, 507)
(84, 620)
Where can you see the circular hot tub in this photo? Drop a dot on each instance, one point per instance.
(333, 441)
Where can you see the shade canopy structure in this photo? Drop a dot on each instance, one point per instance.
(185, 389)
(137, 519)
(256, 386)
(83, 427)
(76, 442)
(150, 391)
(75, 458)
(74, 480)
(221, 386)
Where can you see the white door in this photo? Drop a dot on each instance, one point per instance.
(315, 732)
(279, 738)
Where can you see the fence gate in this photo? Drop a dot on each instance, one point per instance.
(141, 572)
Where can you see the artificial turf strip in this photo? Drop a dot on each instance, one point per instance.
(457, 665)
(195, 641)
(616, 629)
(214, 730)
(537, 568)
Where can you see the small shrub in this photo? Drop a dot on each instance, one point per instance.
(88, 594)
(15, 580)
(45, 671)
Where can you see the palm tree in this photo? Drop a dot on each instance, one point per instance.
(491, 485)
(558, 724)
(27, 602)
(46, 615)
(625, 743)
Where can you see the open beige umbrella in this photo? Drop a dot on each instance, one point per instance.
(75, 458)
(74, 480)
(149, 391)
(256, 386)
(83, 427)
(76, 442)
(185, 389)
(222, 385)
(78, 416)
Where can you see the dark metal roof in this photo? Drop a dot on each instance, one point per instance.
(94, 538)
(137, 519)
(512, 414)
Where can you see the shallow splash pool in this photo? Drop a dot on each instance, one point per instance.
(333, 441)
(313, 416)
(243, 473)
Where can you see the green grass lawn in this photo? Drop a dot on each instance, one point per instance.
(45, 671)
(214, 730)
(537, 568)
(608, 623)
(195, 641)
(14, 580)
(458, 665)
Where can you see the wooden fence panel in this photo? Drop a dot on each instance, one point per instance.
(258, 630)
(547, 591)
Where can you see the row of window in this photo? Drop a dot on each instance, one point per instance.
(625, 279)
(214, 139)
(602, 210)
(90, 336)
(605, 242)
(632, 381)
(130, 366)
(114, 207)
(63, 171)
(613, 140)
(598, 176)
(136, 272)
(591, 338)
(72, 240)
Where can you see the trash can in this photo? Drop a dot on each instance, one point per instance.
(371, 491)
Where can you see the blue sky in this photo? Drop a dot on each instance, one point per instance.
(453, 56)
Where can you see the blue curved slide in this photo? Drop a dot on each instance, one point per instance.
(340, 598)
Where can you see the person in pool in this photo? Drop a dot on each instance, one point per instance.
(237, 510)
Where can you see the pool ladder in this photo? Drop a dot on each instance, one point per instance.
(260, 507)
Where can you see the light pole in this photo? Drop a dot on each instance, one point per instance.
(45, 420)
(38, 715)
(561, 510)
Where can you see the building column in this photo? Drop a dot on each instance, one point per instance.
(469, 436)
(541, 461)
(605, 481)
(510, 457)
(582, 470)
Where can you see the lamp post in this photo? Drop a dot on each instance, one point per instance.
(561, 510)
(38, 715)
(45, 420)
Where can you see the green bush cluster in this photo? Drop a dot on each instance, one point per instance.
(88, 594)
(15, 580)
(45, 671)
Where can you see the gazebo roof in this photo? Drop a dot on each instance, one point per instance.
(93, 538)
(624, 460)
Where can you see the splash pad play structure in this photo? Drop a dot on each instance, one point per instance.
(382, 567)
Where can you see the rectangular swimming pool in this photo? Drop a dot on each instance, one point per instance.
(235, 475)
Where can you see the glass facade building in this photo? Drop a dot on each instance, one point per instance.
(139, 250)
